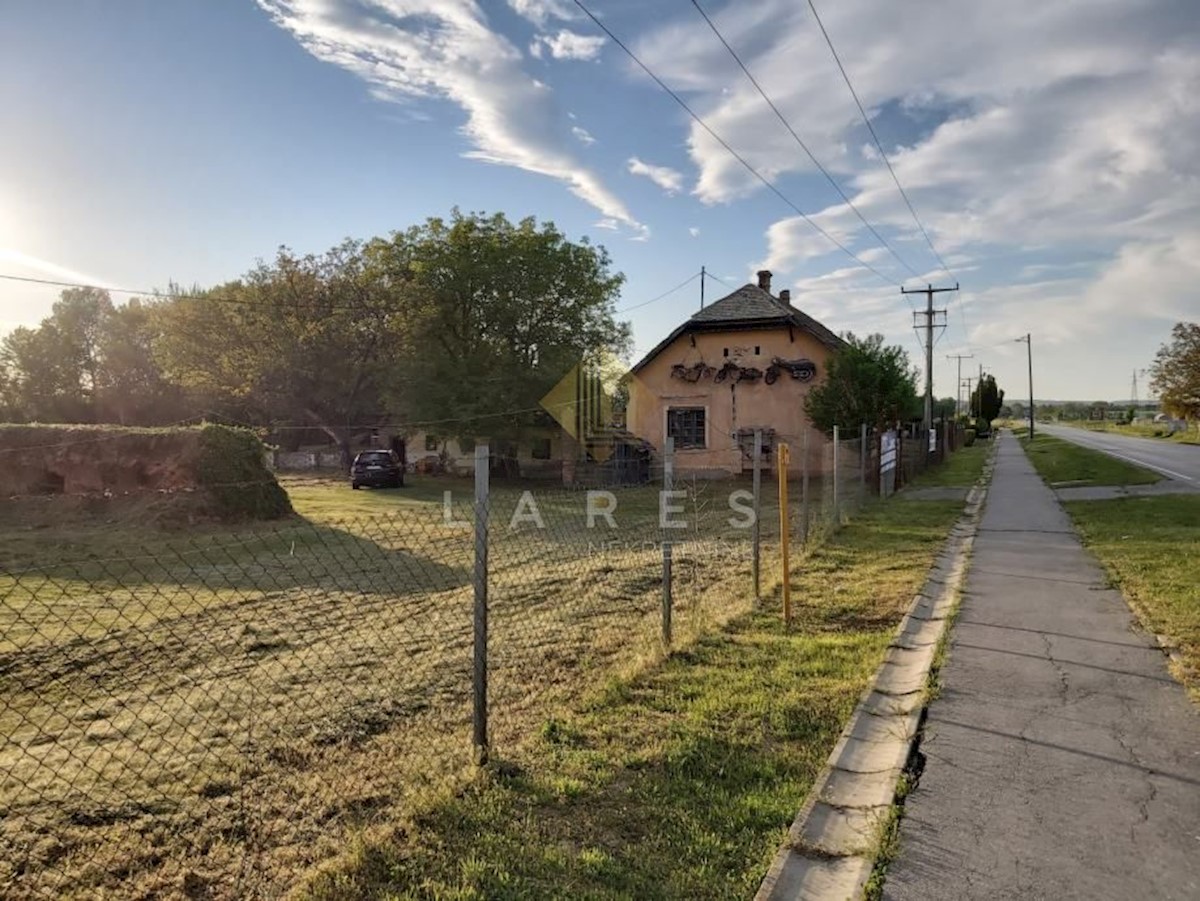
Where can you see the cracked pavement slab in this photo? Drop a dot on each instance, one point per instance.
(1061, 758)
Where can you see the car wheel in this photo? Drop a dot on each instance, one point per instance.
(355, 485)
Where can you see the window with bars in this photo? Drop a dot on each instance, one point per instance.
(686, 426)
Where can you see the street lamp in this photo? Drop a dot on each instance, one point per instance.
(1028, 342)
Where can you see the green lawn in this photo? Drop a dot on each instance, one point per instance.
(1059, 461)
(1140, 430)
(679, 781)
(962, 470)
(1151, 548)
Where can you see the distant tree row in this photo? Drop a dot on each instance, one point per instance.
(459, 322)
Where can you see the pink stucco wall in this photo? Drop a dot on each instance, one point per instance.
(728, 406)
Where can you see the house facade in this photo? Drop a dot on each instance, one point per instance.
(743, 363)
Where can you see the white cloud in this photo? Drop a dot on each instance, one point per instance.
(445, 49)
(585, 137)
(665, 177)
(694, 232)
(1069, 121)
(539, 12)
(568, 45)
(609, 224)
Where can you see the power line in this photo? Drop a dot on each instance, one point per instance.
(875, 137)
(716, 137)
(779, 115)
(218, 298)
(665, 294)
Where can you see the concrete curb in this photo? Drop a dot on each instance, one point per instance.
(831, 845)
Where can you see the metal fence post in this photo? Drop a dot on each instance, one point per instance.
(804, 488)
(480, 717)
(668, 485)
(837, 513)
(782, 456)
(862, 465)
(754, 553)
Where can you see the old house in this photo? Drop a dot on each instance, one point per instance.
(745, 362)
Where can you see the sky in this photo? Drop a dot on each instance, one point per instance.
(1051, 151)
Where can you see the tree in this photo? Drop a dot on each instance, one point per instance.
(945, 408)
(1175, 373)
(987, 399)
(310, 339)
(503, 312)
(866, 381)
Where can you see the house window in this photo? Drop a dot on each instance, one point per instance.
(686, 426)
(756, 350)
(725, 352)
(431, 442)
(540, 449)
(466, 445)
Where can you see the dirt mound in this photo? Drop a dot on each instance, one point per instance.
(216, 469)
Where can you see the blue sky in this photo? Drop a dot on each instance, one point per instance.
(1052, 150)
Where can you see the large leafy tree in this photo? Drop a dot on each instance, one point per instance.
(987, 398)
(1175, 373)
(54, 370)
(866, 381)
(88, 361)
(501, 311)
(307, 340)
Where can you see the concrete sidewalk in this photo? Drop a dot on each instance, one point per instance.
(1062, 760)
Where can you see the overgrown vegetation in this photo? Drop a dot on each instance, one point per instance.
(1060, 462)
(1149, 547)
(231, 470)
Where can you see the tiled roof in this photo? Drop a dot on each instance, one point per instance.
(747, 302)
(747, 307)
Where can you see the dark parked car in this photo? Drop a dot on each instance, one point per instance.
(377, 468)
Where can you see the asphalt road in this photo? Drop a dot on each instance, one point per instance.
(1175, 461)
(1062, 761)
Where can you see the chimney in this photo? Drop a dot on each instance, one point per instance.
(786, 296)
(764, 279)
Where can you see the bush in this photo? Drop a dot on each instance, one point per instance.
(983, 428)
(968, 437)
(230, 468)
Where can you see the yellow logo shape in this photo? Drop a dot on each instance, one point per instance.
(582, 401)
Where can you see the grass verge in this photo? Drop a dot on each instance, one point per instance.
(680, 781)
(1059, 461)
(1148, 545)
(1140, 430)
(961, 470)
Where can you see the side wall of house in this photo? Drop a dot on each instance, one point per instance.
(729, 406)
(425, 449)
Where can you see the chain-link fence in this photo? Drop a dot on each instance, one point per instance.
(217, 714)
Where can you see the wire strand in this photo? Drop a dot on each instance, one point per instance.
(741, 159)
(878, 144)
(803, 146)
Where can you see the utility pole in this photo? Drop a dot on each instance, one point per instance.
(958, 399)
(970, 400)
(1028, 342)
(929, 322)
(703, 275)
